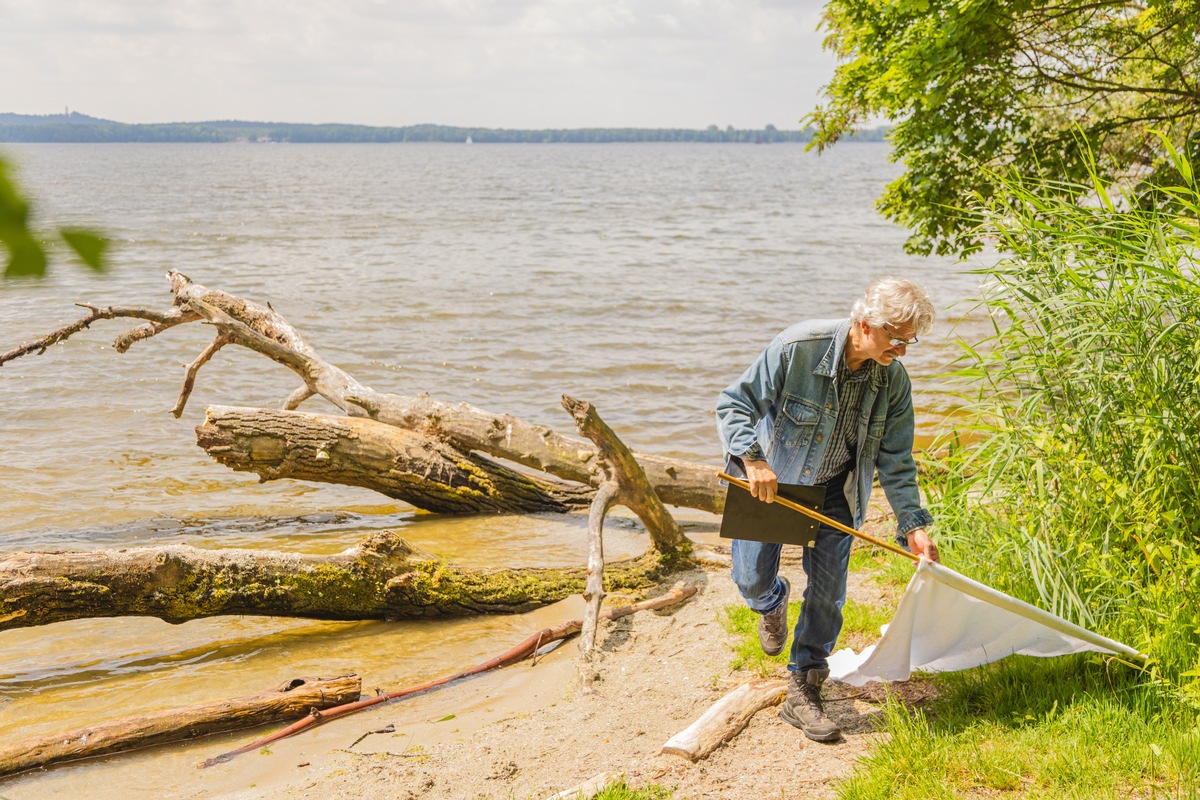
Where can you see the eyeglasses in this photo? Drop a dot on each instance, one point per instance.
(896, 342)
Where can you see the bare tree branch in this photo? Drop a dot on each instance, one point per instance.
(189, 379)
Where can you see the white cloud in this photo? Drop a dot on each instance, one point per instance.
(504, 63)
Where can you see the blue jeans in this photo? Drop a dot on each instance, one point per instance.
(756, 573)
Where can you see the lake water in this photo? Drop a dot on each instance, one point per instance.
(643, 278)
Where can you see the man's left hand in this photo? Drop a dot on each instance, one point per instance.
(921, 545)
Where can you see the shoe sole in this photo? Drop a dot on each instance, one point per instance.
(824, 737)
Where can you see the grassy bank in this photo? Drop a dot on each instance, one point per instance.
(1080, 492)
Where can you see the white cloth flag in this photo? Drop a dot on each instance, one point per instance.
(946, 622)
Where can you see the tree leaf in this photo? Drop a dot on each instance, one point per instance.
(26, 257)
(88, 245)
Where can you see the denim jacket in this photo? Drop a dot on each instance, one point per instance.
(786, 403)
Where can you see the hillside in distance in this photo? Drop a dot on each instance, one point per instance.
(76, 127)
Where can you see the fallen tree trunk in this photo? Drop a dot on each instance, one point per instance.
(296, 698)
(458, 426)
(688, 484)
(406, 465)
(382, 578)
(421, 450)
(725, 719)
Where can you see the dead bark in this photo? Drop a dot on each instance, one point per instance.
(725, 719)
(409, 466)
(381, 578)
(622, 481)
(420, 450)
(296, 698)
(460, 426)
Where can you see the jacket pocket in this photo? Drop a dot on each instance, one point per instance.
(796, 421)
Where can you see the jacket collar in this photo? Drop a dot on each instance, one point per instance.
(833, 356)
(828, 365)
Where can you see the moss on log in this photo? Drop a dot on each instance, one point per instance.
(382, 578)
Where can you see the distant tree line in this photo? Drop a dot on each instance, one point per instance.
(76, 127)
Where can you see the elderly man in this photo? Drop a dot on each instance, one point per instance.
(827, 404)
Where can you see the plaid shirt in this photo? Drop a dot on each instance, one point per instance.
(843, 445)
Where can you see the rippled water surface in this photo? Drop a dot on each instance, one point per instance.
(643, 278)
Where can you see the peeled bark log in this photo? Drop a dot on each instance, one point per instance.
(688, 484)
(725, 719)
(296, 698)
(406, 465)
(593, 591)
(621, 465)
(460, 426)
(382, 578)
(464, 426)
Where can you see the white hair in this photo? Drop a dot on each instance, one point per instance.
(894, 301)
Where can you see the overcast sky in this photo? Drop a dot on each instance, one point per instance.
(489, 63)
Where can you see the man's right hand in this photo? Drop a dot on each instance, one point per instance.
(763, 483)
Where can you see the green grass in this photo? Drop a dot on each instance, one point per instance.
(622, 791)
(1073, 482)
(860, 622)
(885, 569)
(1031, 728)
(742, 623)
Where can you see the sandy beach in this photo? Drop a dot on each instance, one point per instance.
(530, 730)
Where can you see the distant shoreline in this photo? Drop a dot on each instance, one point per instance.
(74, 127)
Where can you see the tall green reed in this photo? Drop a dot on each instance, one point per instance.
(1078, 485)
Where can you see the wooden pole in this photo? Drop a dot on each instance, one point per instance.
(594, 592)
(833, 523)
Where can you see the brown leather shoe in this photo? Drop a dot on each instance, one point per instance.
(804, 709)
(773, 627)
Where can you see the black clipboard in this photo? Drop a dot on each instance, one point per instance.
(747, 517)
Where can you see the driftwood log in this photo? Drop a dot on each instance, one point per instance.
(383, 577)
(458, 426)
(725, 719)
(397, 462)
(434, 455)
(588, 789)
(622, 481)
(296, 698)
